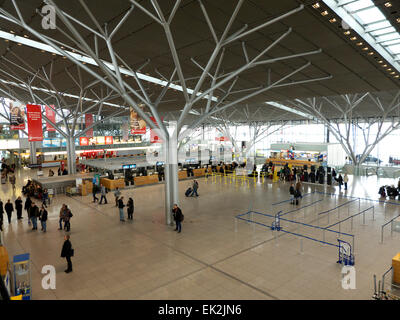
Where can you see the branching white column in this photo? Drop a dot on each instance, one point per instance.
(349, 121)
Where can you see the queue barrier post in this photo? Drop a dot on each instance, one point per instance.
(382, 234)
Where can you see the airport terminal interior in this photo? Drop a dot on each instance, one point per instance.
(200, 150)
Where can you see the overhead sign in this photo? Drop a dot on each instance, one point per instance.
(17, 116)
(35, 132)
(138, 125)
(129, 166)
(83, 141)
(51, 115)
(108, 140)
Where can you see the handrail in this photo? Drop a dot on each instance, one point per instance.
(383, 278)
(384, 225)
(354, 215)
(343, 204)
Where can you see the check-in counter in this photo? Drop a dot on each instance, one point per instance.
(182, 174)
(296, 163)
(112, 184)
(143, 180)
(86, 187)
(199, 172)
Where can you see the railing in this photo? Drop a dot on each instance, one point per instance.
(391, 227)
(352, 216)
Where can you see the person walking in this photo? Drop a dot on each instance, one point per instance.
(27, 207)
(61, 217)
(345, 180)
(178, 217)
(291, 192)
(195, 187)
(9, 209)
(121, 209)
(67, 218)
(130, 209)
(43, 218)
(67, 252)
(340, 181)
(94, 191)
(18, 207)
(12, 181)
(45, 198)
(117, 193)
(103, 191)
(34, 214)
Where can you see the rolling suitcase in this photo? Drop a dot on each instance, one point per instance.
(188, 191)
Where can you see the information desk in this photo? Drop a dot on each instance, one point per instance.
(113, 184)
(143, 180)
(296, 163)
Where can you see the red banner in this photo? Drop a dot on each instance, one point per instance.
(154, 138)
(34, 113)
(51, 115)
(89, 122)
(109, 140)
(83, 141)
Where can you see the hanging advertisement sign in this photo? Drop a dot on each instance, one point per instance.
(89, 122)
(17, 116)
(125, 132)
(137, 124)
(51, 115)
(35, 132)
(83, 141)
(154, 135)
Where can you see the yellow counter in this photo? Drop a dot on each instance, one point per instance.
(112, 184)
(396, 268)
(143, 180)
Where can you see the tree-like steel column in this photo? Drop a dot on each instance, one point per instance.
(110, 73)
(348, 120)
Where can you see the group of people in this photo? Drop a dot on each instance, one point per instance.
(32, 189)
(34, 213)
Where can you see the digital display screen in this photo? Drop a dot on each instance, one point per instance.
(132, 166)
(159, 163)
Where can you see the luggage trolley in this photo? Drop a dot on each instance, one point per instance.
(346, 257)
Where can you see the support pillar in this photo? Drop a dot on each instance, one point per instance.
(171, 176)
(32, 152)
(71, 155)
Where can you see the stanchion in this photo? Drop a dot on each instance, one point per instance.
(359, 204)
(373, 213)
(364, 218)
(236, 225)
(338, 213)
(382, 234)
(351, 223)
(323, 236)
(301, 246)
(348, 210)
(340, 230)
(328, 217)
(391, 229)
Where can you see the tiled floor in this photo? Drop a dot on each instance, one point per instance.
(216, 256)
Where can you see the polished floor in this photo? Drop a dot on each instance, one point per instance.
(216, 256)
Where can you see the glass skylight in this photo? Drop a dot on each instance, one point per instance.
(365, 18)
